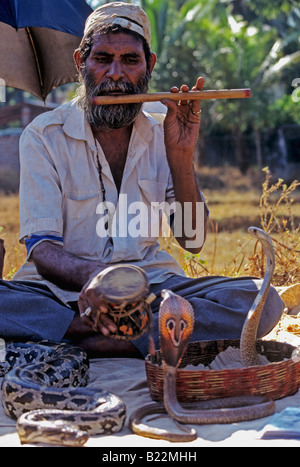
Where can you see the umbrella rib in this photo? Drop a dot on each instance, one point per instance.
(36, 59)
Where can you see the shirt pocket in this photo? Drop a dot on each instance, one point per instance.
(153, 196)
(80, 220)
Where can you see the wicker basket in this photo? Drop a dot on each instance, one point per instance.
(278, 379)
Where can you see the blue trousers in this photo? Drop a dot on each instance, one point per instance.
(29, 310)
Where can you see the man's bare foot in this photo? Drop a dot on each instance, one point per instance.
(78, 328)
(102, 346)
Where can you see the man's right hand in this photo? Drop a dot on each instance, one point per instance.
(93, 310)
(73, 273)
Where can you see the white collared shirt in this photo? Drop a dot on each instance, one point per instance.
(60, 192)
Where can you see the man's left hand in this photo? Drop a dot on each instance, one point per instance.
(181, 125)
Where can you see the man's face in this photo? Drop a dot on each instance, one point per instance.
(116, 65)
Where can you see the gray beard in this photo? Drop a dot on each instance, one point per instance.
(110, 116)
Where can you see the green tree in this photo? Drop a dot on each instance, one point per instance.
(232, 47)
(270, 10)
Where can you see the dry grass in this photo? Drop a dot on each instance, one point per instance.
(278, 218)
(262, 201)
(9, 231)
(229, 250)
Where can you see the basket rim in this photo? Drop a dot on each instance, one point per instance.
(182, 370)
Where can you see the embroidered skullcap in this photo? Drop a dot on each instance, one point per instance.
(126, 15)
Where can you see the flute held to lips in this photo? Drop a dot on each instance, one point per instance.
(175, 96)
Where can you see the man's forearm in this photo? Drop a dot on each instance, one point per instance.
(64, 269)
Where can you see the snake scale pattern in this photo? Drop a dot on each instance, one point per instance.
(44, 388)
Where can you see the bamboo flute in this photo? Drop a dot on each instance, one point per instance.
(175, 96)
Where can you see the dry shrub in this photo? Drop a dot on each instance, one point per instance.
(277, 219)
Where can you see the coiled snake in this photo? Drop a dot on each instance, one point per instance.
(44, 387)
(45, 391)
(176, 320)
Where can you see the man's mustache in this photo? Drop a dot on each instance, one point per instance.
(108, 87)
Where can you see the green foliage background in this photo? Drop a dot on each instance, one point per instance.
(233, 44)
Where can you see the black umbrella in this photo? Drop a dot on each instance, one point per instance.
(38, 38)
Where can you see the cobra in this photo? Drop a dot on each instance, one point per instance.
(176, 319)
(44, 389)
